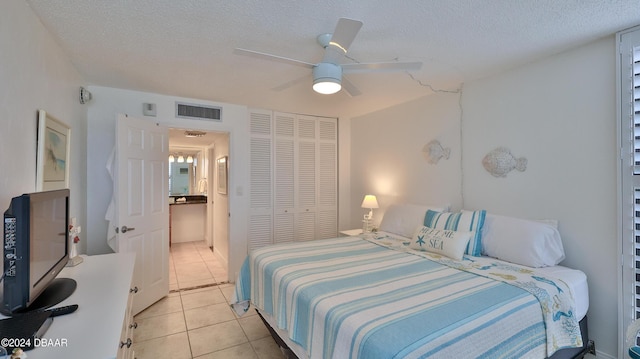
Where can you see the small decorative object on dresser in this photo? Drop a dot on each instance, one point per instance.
(74, 231)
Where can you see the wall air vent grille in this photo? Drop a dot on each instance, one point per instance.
(198, 112)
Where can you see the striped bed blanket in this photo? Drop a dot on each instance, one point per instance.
(354, 298)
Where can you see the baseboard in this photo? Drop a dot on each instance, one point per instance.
(601, 355)
(223, 260)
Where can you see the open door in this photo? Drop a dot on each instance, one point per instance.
(142, 209)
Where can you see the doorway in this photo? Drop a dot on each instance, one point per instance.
(198, 212)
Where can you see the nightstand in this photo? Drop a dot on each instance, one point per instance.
(351, 232)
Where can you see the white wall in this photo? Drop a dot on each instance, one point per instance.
(387, 158)
(107, 103)
(35, 74)
(560, 114)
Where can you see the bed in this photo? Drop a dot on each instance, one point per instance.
(377, 296)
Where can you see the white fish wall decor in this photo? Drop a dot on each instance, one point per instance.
(500, 161)
(433, 152)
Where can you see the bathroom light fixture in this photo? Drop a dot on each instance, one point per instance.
(190, 133)
(180, 158)
(327, 78)
(189, 159)
(172, 158)
(370, 202)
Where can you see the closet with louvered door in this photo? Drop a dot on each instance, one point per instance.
(306, 165)
(304, 174)
(284, 177)
(327, 175)
(260, 231)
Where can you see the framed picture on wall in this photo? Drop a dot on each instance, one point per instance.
(222, 174)
(52, 158)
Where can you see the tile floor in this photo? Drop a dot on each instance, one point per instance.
(195, 320)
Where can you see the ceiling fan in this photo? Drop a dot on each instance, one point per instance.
(327, 74)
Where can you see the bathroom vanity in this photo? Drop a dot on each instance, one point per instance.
(187, 218)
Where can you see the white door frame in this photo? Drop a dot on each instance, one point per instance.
(211, 183)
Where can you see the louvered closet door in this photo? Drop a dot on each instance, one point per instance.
(260, 231)
(306, 178)
(285, 174)
(327, 209)
(630, 176)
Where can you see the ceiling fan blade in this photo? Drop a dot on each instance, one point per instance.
(381, 66)
(291, 83)
(351, 89)
(343, 35)
(270, 57)
(345, 32)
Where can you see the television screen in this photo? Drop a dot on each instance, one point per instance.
(35, 250)
(48, 239)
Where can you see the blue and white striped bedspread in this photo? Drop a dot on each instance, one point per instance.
(350, 298)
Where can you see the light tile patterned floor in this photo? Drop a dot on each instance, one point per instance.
(195, 320)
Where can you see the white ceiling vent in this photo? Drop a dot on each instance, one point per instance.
(198, 112)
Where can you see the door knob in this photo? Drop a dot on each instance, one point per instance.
(125, 229)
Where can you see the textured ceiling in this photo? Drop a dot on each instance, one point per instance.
(185, 48)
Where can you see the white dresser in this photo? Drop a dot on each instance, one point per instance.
(103, 319)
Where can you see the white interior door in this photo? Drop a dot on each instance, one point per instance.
(210, 188)
(142, 205)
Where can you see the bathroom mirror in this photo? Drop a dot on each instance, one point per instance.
(181, 175)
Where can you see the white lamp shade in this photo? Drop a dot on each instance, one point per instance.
(370, 201)
(189, 159)
(326, 87)
(180, 158)
(327, 78)
(172, 158)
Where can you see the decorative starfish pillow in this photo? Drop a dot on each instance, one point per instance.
(471, 221)
(441, 241)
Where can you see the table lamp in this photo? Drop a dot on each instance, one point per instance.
(370, 202)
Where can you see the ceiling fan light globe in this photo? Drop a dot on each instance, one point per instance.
(326, 86)
(327, 78)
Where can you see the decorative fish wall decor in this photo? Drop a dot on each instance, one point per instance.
(500, 161)
(433, 152)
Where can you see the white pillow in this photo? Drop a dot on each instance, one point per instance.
(403, 219)
(441, 241)
(520, 241)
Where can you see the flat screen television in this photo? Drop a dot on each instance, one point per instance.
(35, 249)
